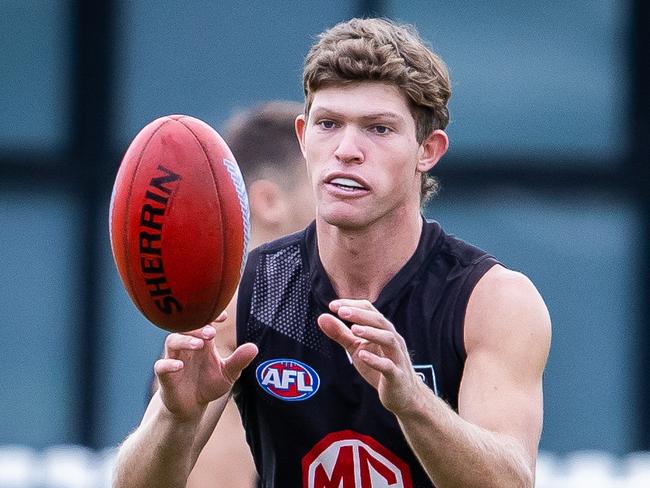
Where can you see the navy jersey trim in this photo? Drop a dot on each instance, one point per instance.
(428, 245)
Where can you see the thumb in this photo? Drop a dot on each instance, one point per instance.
(238, 360)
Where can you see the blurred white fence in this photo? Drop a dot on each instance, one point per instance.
(593, 469)
(79, 467)
(55, 467)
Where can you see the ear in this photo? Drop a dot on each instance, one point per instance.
(300, 124)
(267, 204)
(432, 150)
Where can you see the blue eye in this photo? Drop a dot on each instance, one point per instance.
(326, 124)
(381, 129)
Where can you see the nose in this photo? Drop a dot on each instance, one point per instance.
(349, 149)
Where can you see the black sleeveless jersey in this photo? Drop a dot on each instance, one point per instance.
(310, 419)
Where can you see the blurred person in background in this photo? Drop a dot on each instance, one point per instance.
(372, 349)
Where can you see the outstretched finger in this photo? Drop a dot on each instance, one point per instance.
(336, 330)
(175, 344)
(362, 316)
(221, 318)
(349, 302)
(163, 367)
(379, 363)
(238, 360)
(384, 338)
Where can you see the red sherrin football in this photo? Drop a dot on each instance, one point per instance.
(179, 223)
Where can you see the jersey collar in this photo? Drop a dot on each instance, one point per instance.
(321, 286)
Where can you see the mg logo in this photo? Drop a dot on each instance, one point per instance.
(347, 459)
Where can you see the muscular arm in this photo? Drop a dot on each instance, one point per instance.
(225, 459)
(225, 464)
(492, 440)
(163, 449)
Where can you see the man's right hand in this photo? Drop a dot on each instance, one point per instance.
(193, 373)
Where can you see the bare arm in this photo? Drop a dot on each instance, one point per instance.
(163, 449)
(195, 382)
(225, 460)
(493, 439)
(226, 464)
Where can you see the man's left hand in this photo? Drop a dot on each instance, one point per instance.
(377, 351)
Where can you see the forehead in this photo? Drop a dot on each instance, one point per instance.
(361, 99)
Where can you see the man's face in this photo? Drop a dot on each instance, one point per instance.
(362, 154)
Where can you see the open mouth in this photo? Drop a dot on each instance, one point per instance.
(347, 184)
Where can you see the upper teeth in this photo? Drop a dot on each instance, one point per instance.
(346, 182)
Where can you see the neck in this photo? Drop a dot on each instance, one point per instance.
(360, 262)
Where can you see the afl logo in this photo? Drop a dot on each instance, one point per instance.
(287, 379)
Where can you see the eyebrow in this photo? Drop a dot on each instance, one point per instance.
(392, 116)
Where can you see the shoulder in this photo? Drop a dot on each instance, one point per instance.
(455, 249)
(458, 262)
(506, 312)
(464, 253)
